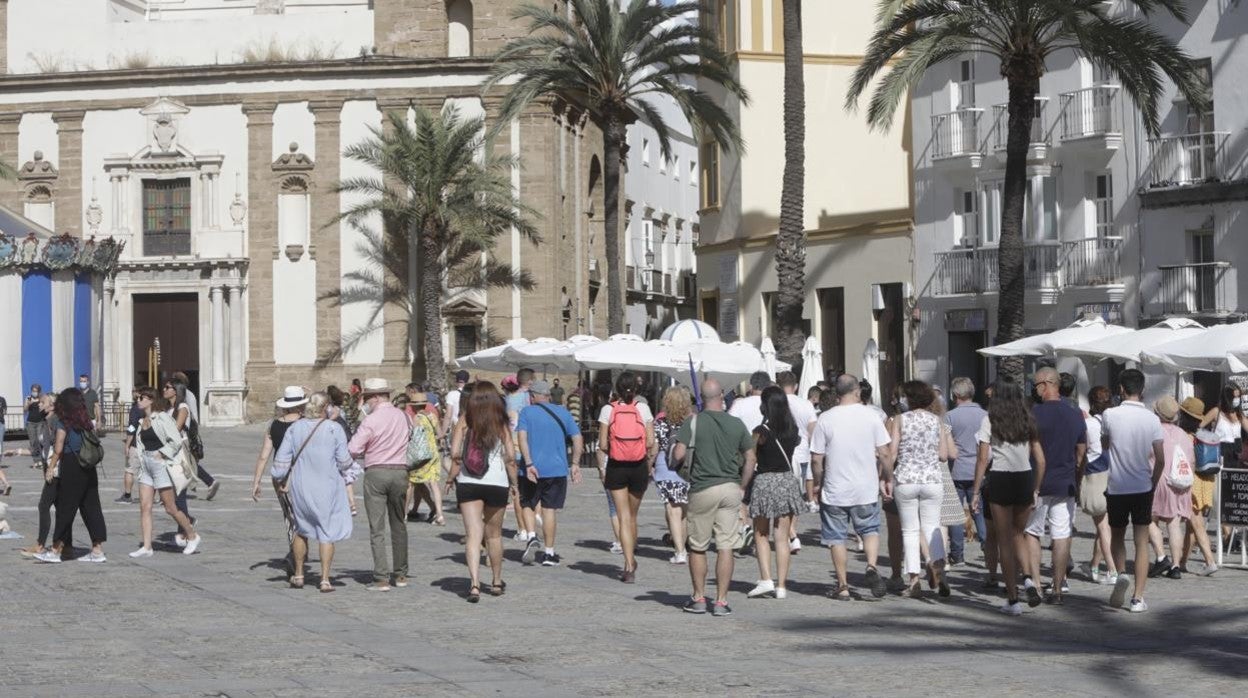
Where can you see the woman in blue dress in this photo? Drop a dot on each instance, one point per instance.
(314, 456)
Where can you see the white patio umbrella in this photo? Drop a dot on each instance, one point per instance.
(812, 367)
(628, 351)
(1082, 331)
(1223, 348)
(728, 362)
(550, 355)
(871, 368)
(1128, 346)
(491, 359)
(768, 350)
(688, 331)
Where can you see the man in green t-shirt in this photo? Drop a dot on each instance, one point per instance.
(722, 450)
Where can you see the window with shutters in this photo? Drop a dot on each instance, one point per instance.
(166, 217)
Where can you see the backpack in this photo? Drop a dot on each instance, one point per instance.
(422, 444)
(1179, 473)
(475, 460)
(626, 433)
(91, 452)
(1208, 452)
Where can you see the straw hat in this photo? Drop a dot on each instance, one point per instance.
(1167, 408)
(293, 396)
(375, 386)
(1193, 407)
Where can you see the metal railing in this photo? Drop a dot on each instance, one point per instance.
(1091, 111)
(630, 278)
(956, 133)
(1001, 124)
(1041, 265)
(1188, 159)
(1092, 262)
(1195, 289)
(975, 270)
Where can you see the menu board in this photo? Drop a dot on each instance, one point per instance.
(1234, 497)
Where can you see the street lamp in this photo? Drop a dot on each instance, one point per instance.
(650, 259)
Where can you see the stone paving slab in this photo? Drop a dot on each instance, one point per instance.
(224, 622)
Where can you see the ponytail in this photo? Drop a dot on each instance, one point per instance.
(626, 386)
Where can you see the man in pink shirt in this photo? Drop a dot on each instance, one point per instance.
(381, 441)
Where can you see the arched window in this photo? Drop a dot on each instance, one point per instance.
(459, 28)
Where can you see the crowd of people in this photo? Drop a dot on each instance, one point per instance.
(734, 477)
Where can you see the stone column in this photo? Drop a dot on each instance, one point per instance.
(10, 192)
(218, 334)
(262, 225)
(69, 163)
(396, 346)
(325, 237)
(237, 333)
(109, 321)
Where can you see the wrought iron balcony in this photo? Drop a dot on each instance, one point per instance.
(956, 135)
(1196, 289)
(1093, 261)
(1092, 115)
(1195, 158)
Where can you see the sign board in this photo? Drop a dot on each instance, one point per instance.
(728, 319)
(1109, 312)
(1234, 502)
(969, 320)
(728, 274)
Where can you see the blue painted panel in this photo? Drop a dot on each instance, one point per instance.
(37, 330)
(82, 327)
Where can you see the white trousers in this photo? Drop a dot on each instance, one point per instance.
(919, 509)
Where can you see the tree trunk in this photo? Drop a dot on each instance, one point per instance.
(791, 238)
(431, 306)
(1010, 271)
(612, 138)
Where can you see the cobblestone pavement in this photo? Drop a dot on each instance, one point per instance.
(224, 623)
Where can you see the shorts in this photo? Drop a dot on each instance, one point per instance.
(550, 492)
(1202, 493)
(673, 492)
(134, 461)
(1138, 508)
(1011, 489)
(623, 475)
(1092, 493)
(834, 522)
(714, 514)
(155, 473)
(490, 495)
(1054, 513)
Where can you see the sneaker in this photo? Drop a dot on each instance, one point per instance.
(781, 592)
(1138, 606)
(123, 499)
(400, 581)
(895, 585)
(551, 560)
(193, 545)
(721, 609)
(1160, 567)
(761, 589)
(956, 561)
(795, 546)
(530, 550)
(212, 490)
(1121, 586)
(378, 586)
(93, 557)
(617, 549)
(1095, 575)
(1048, 587)
(179, 540)
(1110, 578)
(1210, 568)
(1174, 573)
(521, 536)
(1012, 608)
(876, 582)
(48, 556)
(679, 559)
(413, 516)
(142, 552)
(695, 605)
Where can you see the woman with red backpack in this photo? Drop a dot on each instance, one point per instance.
(626, 441)
(483, 472)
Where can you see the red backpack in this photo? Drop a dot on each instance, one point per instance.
(626, 433)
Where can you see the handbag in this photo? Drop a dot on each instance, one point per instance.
(283, 483)
(422, 444)
(181, 470)
(193, 440)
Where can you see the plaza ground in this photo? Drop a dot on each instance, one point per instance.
(224, 622)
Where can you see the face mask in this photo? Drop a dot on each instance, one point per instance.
(83, 384)
(365, 409)
(1235, 402)
(903, 404)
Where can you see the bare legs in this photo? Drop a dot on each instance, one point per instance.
(764, 534)
(1012, 548)
(1101, 548)
(723, 573)
(1119, 548)
(1196, 530)
(676, 526)
(146, 496)
(627, 505)
(482, 521)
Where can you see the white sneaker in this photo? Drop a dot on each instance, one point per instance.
(142, 552)
(1109, 578)
(523, 536)
(763, 588)
(795, 544)
(812, 507)
(48, 556)
(679, 559)
(1210, 568)
(617, 549)
(1121, 586)
(1138, 606)
(1012, 609)
(93, 557)
(193, 545)
(781, 592)
(179, 540)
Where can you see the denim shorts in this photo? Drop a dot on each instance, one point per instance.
(835, 521)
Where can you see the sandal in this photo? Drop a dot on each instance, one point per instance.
(913, 591)
(8, 490)
(296, 582)
(498, 589)
(474, 594)
(840, 593)
(326, 586)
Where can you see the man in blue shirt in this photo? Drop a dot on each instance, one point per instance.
(546, 431)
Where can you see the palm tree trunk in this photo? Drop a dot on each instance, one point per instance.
(1010, 271)
(790, 240)
(431, 305)
(612, 138)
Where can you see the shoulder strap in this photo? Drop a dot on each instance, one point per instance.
(305, 443)
(547, 410)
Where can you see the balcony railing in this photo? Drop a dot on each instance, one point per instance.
(1001, 124)
(667, 285)
(1194, 158)
(1041, 265)
(1092, 262)
(631, 280)
(956, 133)
(1090, 112)
(1196, 289)
(975, 270)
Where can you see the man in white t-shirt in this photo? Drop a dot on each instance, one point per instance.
(452, 402)
(851, 460)
(1132, 438)
(749, 409)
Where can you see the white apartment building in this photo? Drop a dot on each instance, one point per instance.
(1119, 223)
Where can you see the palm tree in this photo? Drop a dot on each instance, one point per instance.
(790, 240)
(609, 65)
(444, 201)
(1023, 35)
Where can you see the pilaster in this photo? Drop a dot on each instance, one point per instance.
(261, 226)
(10, 192)
(69, 163)
(325, 231)
(396, 340)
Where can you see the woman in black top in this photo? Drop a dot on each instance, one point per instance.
(774, 491)
(79, 487)
(34, 426)
(290, 410)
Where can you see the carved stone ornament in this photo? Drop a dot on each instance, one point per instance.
(164, 132)
(94, 214)
(28, 251)
(294, 252)
(60, 252)
(294, 161)
(238, 209)
(37, 170)
(86, 252)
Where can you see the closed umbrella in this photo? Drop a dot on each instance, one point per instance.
(1128, 346)
(1223, 348)
(1082, 331)
(768, 350)
(491, 359)
(871, 368)
(812, 366)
